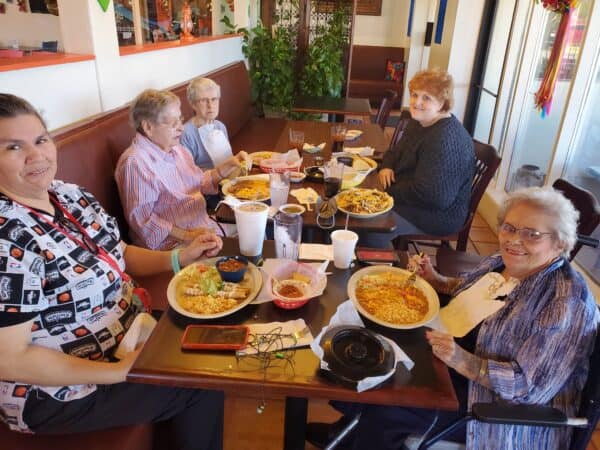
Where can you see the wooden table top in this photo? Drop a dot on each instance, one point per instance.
(162, 361)
(332, 105)
(316, 132)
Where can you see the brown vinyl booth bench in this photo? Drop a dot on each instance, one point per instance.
(87, 155)
(367, 73)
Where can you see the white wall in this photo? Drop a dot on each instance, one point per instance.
(439, 54)
(27, 28)
(389, 29)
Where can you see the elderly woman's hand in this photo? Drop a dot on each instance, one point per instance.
(387, 177)
(205, 244)
(444, 347)
(233, 166)
(421, 264)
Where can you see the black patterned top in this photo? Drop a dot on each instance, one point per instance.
(79, 302)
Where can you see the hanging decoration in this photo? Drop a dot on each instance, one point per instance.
(566, 8)
(22, 5)
(104, 4)
(231, 5)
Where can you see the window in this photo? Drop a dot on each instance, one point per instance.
(161, 19)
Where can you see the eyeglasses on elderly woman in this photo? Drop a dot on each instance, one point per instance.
(526, 234)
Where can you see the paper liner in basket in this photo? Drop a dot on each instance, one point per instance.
(284, 271)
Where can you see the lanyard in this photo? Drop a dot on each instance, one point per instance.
(87, 243)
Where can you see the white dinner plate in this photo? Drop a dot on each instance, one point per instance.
(229, 183)
(252, 279)
(366, 215)
(432, 297)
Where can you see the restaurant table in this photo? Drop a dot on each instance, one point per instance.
(316, 132)
(162, 361)
(336, 108)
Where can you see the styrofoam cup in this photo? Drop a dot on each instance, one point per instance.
(344, 242)
(251, 221)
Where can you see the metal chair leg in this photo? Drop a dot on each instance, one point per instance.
(429, 441)
(333, 444)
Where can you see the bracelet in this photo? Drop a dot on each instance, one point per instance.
(175, 260)
(482, 370)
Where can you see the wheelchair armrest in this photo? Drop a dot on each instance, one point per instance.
(532, 415)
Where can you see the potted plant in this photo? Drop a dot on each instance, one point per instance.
(270, 58)
(323, 73)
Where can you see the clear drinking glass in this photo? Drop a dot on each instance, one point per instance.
(334, 172)
(297, 139)
(338, 135)
(288, 234)
(279, 185)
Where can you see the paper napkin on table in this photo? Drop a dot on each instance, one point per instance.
(281, 328)
(138, 333)
(362, 151)
(311, 148)
(305, 195)
(346, 314)
(353, 134)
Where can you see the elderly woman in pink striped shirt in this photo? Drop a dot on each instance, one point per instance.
(161, 189)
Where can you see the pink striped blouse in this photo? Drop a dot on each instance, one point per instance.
(160, 189)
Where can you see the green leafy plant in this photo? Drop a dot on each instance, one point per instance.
(271, 65)
(323, 73)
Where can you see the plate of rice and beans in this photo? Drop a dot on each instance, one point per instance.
(199, 291)
(382, 294)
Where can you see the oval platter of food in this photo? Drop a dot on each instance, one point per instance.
(382, 294)
(364, 203)
(252, 187)
(257, 157)
(199, 292)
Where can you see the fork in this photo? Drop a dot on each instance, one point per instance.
(299, 334)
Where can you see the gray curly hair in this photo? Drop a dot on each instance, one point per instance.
(199, 85)
(554, 204)
(149, 106)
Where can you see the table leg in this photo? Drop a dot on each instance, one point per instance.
(296, 413)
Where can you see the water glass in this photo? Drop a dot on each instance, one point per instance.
(297, 139)
(287, 230)
(279, 186)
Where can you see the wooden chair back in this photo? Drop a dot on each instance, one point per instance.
(385, 108)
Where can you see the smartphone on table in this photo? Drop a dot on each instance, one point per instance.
(214, 337)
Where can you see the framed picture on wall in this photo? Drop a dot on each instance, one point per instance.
(363, 7)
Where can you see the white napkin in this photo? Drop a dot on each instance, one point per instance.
(346, 314)
(269, 265)
(472, 305)
(291, 156)
(288, 327)
(138, 333)
(316, 251)
(362, 151)
(305, 195)
(353, 134)
(230, 201)
(310, 148)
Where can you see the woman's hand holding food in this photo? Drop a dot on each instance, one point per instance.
(233, 166)
(206, 244)
(421, 264)
(387, 177)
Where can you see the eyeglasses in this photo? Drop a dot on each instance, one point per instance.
(173, 123)
(526, 234)
(207, 100)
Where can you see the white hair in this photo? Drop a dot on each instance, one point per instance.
(552, 203)
(199, 85)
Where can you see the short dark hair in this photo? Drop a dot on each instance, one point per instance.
(13, 106)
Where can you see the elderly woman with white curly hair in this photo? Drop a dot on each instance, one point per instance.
(203, 135)
(534, 350)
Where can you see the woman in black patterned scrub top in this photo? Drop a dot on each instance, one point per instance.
(66, 303)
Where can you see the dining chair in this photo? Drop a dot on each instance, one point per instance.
(383, 113)
(400, 126)
(539, 415)
(485, 167)
(450, 262)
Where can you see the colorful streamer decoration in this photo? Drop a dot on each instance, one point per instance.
(543, 97)
(104, 4)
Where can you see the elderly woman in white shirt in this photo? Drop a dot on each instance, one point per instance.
(203, 135)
